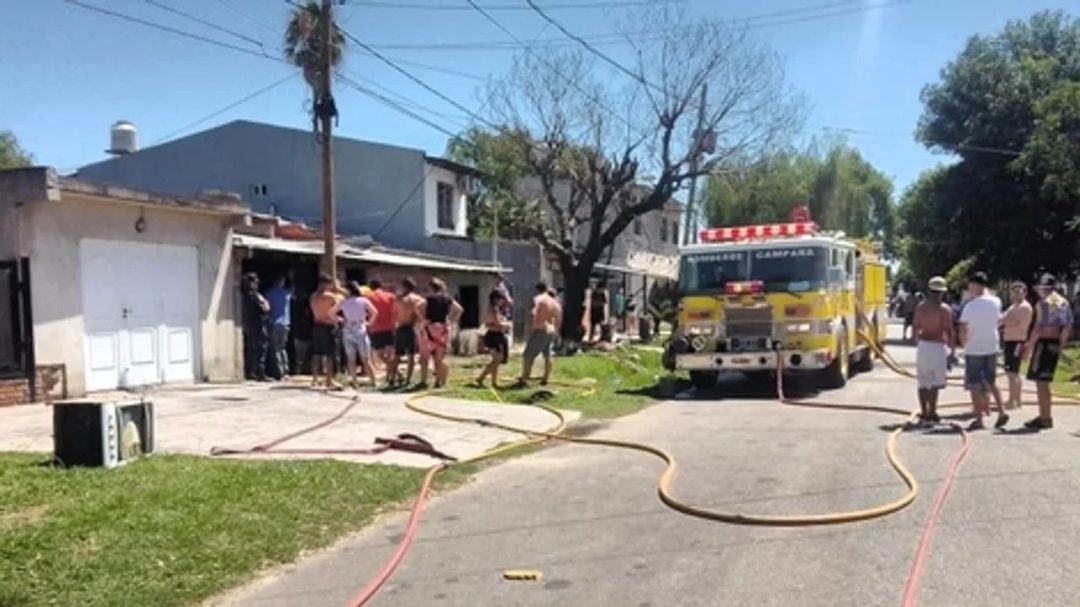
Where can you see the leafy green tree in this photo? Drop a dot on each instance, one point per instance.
(1008, 108)
(12, 156)
(842, 190)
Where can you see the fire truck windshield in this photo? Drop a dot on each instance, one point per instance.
(781, 269)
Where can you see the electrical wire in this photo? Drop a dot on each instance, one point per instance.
(243, 15)
(751, 22)
(209, 24)
(172, 30)
(640, 78)
(394, 104)
(509, 7)
(386, 60)
(228, 107)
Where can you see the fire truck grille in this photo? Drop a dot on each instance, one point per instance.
(754, 321)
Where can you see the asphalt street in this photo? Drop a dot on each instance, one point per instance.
(589, 518)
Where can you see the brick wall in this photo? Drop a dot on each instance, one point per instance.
(14, 392)
(51, 385)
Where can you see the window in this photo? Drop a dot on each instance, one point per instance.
(663, 229)
(675, 232)
(259, 189)
(637, 227)
(445, 206)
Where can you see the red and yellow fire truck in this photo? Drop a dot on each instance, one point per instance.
(751, 293)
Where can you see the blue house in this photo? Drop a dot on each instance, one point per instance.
(397, 195)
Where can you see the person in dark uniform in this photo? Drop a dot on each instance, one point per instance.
(255, 311)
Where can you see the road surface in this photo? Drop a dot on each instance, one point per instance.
(589, 518)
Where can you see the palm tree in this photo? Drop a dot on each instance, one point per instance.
(304, 43)
(305, 48)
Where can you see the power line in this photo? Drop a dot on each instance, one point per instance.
(751, 22)
(406, 101)
(433, 68)
(394, 104)
(528, 49)
(589, 47)
(228, 107)
(415, 79)
(243, 15)
(209, 24)
(172, 30)
(508, 7)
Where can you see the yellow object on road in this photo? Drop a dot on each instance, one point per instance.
(527, 575)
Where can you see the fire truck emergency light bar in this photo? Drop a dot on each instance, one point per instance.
(769, 230)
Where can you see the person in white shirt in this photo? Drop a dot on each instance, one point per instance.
(359, 313)
(979, 335)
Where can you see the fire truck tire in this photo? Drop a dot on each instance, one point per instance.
(865, 364)
(835, 375)
(703, 380)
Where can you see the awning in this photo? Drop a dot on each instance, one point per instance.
(660, 275)
(374, 255)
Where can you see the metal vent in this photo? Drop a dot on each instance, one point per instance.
(748, 321)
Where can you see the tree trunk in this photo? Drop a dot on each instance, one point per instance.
(576, 282)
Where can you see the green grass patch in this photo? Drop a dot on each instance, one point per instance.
(172, 530)
(598, 384)
(1068, 368)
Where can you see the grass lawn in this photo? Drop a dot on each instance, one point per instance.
(622, 381)
(172, 530)
(1068, 367)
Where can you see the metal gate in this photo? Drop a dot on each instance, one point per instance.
(16, 323)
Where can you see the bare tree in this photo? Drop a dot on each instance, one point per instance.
(599, 154)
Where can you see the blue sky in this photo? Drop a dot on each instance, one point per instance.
(68, 73)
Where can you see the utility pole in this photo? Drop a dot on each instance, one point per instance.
(326, 111)
(689, 233)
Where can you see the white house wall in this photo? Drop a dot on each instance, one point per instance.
(435, 175)
(51, 232)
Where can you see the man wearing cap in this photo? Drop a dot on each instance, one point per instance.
(1015, 325)
(1053, 326)
(979, 334)
(932, 329)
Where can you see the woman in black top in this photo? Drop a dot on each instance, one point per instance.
(495, 341)
(437, 314)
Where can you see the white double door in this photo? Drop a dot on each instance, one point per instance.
(140, 310)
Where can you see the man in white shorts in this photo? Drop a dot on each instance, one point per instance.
(933, 332)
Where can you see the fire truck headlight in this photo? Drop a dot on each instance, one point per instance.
(700, 330)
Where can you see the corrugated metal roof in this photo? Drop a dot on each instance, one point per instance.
(379, 255)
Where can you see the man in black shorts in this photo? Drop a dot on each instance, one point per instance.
(1053, 326)
(408, 314)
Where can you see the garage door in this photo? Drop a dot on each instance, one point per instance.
(140, 312)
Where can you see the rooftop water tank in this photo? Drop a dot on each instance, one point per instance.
(123, 138)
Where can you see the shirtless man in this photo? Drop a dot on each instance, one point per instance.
(932, 328)
(546, 320)
(405, 342)
(325, 304)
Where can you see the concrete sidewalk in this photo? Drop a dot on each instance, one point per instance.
(192, 419)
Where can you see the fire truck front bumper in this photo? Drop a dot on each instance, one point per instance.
(794, 360)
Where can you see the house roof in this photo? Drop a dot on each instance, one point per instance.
(37, 184)
(452, 165)
(375, 254)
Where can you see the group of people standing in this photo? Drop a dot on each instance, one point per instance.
(374, 323)
(983, 329)
(368, 323)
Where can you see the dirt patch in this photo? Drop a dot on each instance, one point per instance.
(27, 516)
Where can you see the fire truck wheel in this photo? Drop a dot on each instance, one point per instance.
(835, 375)
(703, 380)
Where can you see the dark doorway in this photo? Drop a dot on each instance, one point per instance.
(469, 298)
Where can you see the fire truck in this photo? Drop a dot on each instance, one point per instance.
(752, 294)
